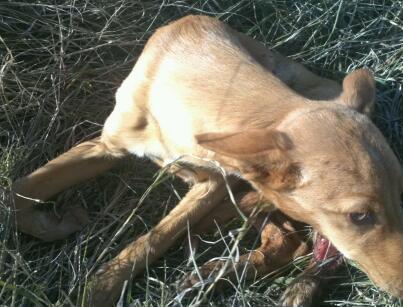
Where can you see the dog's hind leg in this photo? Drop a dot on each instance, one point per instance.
(295, 75)
(80, 163)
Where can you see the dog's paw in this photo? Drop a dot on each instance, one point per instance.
(54, 228)
(47, 226)
(302, 292)
(105, 286)
(44, 224)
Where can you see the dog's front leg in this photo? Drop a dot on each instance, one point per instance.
(281, 242)
(108, 281)
(80, 163)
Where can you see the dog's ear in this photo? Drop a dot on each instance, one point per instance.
(260, 155)
(359, 91)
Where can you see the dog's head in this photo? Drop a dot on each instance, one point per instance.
(329, 166)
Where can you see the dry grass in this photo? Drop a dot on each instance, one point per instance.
(60, 66)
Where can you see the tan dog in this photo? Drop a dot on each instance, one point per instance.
(201, 91)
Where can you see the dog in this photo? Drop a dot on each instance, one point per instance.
(202, 95)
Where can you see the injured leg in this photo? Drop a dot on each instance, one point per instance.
(281, 242)
(306, 288)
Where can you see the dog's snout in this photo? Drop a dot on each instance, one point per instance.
(383, 264)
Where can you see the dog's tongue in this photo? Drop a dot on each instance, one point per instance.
(323, 250)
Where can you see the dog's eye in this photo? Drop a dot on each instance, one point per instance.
(362, 218)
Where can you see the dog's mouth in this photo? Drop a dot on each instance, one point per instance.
(327, 259)
(325, 253)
